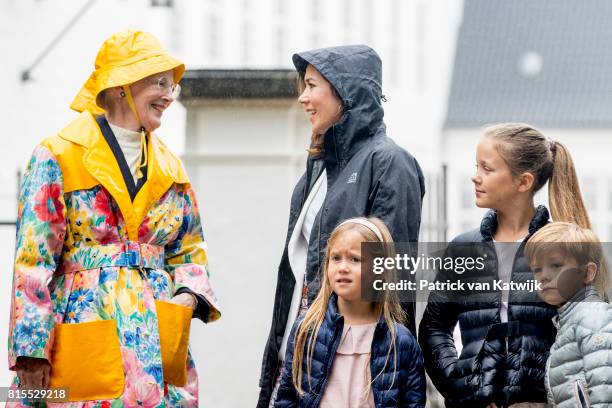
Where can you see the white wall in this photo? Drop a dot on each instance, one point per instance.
(243, 175)
(415, 39)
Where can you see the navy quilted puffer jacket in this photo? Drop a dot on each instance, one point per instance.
(501, 362)
(407, 390)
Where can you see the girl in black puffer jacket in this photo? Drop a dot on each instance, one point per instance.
(350, 352)
(506, 334)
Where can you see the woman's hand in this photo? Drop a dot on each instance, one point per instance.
(33, 372)
(185, 299)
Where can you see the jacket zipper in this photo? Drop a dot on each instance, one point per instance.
(580, 393)
(335, 144)
(319, 233)
(549, 392)
(521, 246)
(494, 252)
(322, 211)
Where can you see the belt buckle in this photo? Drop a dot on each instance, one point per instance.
(132, 252)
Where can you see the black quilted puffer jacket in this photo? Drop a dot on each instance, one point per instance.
(402, 388)
(500, 362)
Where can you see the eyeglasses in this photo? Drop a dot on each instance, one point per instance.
(166, 85)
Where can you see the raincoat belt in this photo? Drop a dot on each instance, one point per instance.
(129, 254)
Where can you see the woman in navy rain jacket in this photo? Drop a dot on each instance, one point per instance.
(365, 174)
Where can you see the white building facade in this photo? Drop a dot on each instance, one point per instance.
(510, 66)
(243, 156)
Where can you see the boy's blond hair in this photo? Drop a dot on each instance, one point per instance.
(581, 244)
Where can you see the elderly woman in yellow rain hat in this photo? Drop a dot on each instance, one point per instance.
(111, 262)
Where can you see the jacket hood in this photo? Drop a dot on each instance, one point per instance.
(355, 71)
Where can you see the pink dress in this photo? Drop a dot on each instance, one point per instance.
(350, 373)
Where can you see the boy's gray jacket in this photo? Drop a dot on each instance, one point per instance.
(579, 369)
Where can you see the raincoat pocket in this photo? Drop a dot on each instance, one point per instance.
(86, 360)
(174, 323)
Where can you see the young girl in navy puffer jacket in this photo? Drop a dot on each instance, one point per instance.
(360, 355)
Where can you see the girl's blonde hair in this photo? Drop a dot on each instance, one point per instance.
(389, 307)
(579, 243)
(525, 149)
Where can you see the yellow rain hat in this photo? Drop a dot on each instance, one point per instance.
(124, 58)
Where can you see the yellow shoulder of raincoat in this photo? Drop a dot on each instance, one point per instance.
(86, 160)
(71, 145)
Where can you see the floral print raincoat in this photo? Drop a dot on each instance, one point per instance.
(93, 266)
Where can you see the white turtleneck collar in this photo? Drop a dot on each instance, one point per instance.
(129, 141)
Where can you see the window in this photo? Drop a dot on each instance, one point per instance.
(246, 42)
(280, 47)
(212, 44)
(346, 13)
(610, 198)
(162, 3)
(419, 58)
(467, 193)
(368, 11)
(530, 64)
(314, 40)
(395, 46)
(315, 6)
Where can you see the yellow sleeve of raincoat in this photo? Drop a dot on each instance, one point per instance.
(187, 261)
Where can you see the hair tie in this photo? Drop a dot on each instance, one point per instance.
(368, 224)
(552, 145)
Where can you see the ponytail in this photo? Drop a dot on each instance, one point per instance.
(564, 196)
(526, 149)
